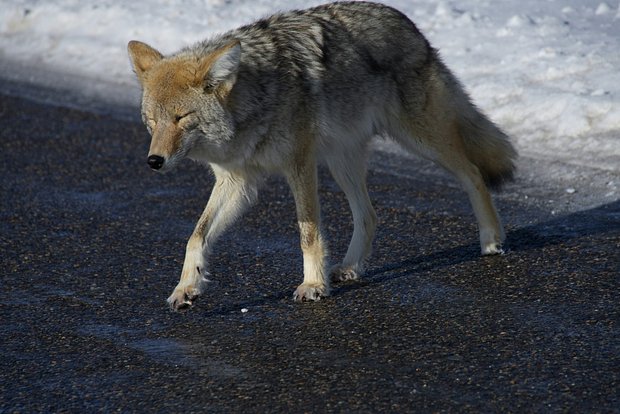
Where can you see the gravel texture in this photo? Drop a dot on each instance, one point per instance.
(92, 243)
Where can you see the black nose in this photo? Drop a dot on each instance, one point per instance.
(155, 161)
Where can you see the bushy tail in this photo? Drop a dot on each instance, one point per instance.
(487, 147)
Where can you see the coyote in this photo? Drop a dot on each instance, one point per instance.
(308, 86)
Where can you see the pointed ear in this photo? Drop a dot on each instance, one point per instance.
(220, 68)
(142, 57)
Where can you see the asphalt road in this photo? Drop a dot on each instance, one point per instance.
(92, 243)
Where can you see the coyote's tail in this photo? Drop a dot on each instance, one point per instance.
(484, 143)
(487, 147)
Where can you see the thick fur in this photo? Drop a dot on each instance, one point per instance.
(310, 86)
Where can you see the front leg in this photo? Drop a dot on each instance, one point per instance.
(193, 276)
(302, 178)
(231, 194)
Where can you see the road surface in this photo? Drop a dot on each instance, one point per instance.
(92, 243)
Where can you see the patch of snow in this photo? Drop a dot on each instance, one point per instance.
(602, 8)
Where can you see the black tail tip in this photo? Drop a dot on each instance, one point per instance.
(497, 181)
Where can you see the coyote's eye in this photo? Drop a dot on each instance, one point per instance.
(178, 118)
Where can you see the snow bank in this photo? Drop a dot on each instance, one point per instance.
(548, 72)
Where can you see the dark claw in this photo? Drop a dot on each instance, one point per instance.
(183, 306)
(179, 306)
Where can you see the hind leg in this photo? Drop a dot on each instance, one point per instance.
(350, 174)
(453, 159)
(490, 227)
(444, 146)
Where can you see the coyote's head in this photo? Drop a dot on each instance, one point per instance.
(184, 100)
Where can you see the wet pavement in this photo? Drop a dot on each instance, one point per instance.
(92, 244)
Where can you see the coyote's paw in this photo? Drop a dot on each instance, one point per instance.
(492, 249)
(340, 273)
(310, 291)
(184, 296)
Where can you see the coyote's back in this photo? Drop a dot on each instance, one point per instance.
(305, 86)
(362, 69)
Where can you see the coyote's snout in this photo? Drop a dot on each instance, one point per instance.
(312, 86)
(156, 161)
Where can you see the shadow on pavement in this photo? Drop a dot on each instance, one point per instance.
(597, 222)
